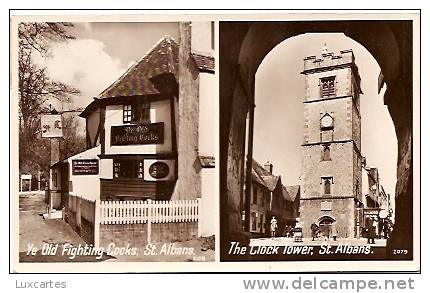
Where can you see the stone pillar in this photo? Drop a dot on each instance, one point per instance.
(189, 183)
(231, 210)
(55, 150)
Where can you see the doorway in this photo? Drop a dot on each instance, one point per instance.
(325, 226)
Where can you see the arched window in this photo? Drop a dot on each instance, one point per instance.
(327, 86)
(326, 153)
(327, 186)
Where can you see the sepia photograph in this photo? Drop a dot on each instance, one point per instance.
(116, 141)
(316, 133)
(215, 143)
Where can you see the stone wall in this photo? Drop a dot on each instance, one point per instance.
(340, 167)
(80, 214)
(338, 109)
(189, 178)
(342, 211)
(343, 83)
(137, 234)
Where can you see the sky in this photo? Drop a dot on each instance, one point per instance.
(101, 53)
(279, 92)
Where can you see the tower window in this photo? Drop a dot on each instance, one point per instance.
(326, 182)
(327, 186)
(327, 86)
(326, 153)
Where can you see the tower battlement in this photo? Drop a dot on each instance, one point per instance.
(327, 61)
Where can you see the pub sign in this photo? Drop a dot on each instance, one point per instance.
(137, 134)
(85, 167)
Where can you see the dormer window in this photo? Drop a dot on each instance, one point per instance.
(327, 86)
(137, 112)
(127, 113)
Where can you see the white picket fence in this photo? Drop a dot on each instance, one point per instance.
(149, 211)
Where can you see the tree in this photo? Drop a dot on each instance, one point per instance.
(37, 89)
(72, 143)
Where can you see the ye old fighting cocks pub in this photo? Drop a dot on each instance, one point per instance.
(133, 148)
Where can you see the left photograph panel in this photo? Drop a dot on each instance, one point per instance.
(113, 155)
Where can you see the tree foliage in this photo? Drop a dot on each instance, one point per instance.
(37, 89)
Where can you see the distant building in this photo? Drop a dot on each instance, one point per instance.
(269, 197)
(377, 204)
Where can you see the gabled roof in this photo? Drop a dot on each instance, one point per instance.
(290, 193)
(263, 176)
(162, 58)
(157, 69)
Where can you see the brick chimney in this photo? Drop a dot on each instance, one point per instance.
(269, 167)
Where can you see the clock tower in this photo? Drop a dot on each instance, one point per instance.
(331, 193)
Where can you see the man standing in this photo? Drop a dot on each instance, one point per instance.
(273, 226)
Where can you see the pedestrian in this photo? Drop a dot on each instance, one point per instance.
(334, 230)
(287, 230)
(273, 226)
(370, 230)
(314, 231)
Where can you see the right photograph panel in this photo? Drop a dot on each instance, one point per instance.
(316, 131)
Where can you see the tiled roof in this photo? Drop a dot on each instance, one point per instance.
(291, 192)
(204, 63)
(161, 59)
(269, 180)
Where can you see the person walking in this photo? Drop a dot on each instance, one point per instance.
(314, 231)
(273, 226)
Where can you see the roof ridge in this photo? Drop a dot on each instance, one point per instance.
(130, 69)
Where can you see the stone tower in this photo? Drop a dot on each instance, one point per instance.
(331, 161)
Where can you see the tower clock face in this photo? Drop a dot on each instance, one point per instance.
(327, 121)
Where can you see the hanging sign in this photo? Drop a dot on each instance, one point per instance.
(51, 125)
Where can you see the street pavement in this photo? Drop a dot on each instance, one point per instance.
(283, 241)
(34, 229)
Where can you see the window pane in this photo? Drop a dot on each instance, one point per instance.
(327, 186)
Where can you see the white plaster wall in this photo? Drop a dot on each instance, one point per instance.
(86, 186)
(93, 124)
(208, 129)
(209, 203)
(201, 38)
(106, 168)
(160, 112)
(208, 109)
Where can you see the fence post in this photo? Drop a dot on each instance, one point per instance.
(199, 218)
(97, 224)
(148, 223)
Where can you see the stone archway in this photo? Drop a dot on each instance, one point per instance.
(325, 224)
(243, 46)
